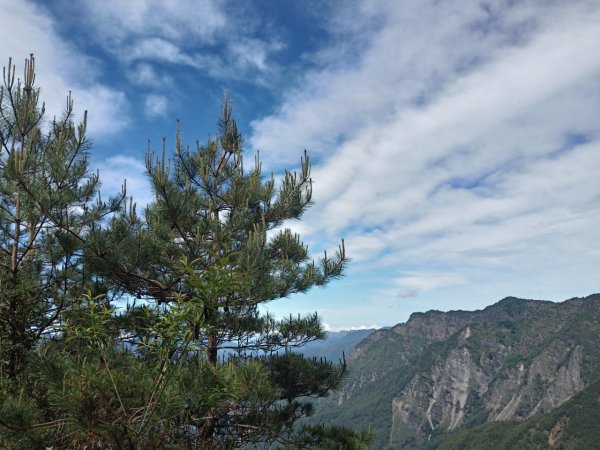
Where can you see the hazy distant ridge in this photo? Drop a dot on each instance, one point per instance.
(336, 344)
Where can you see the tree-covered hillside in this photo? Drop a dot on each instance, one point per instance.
(571, 426)
(442, 372)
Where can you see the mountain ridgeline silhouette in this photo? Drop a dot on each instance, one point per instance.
(518, 368)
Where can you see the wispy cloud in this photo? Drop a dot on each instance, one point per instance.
(462, 140)
(213, 37)
(411, 284)
(144, 74)
(156, 106)
(407, 293)
(118, 22)
(27, 28)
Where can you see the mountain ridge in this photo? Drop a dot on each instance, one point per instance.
(445, 371)
(336, 345)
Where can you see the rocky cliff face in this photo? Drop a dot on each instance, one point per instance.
(455, 386)
(573, 425)
(442, 372)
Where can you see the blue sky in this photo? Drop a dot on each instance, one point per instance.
(455, 144)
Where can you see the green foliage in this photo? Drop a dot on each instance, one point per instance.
(118, 331)
(319, 437)
(46, 211)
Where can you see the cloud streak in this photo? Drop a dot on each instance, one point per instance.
(461, 148)
(213, 37)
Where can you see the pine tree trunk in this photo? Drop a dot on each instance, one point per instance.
(209, 428)
(211, 348)
(14, 353)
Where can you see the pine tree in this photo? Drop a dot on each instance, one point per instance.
(47, 211)
(223, 253)
(45, 195)
(190, 362)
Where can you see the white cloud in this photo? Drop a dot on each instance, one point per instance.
(144, 74)
(26, 28)
(156, 106)
(407, 293)
(419, 282)
(461, 145)
(158, 49)
(185, 32)
(328, 327)
(118, 21)
(253, 53)
(423, 50)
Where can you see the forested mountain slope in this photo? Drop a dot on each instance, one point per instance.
(420, 382)
(573, 425)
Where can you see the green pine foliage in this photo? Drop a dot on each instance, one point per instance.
(46, 209)
(127, 331)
